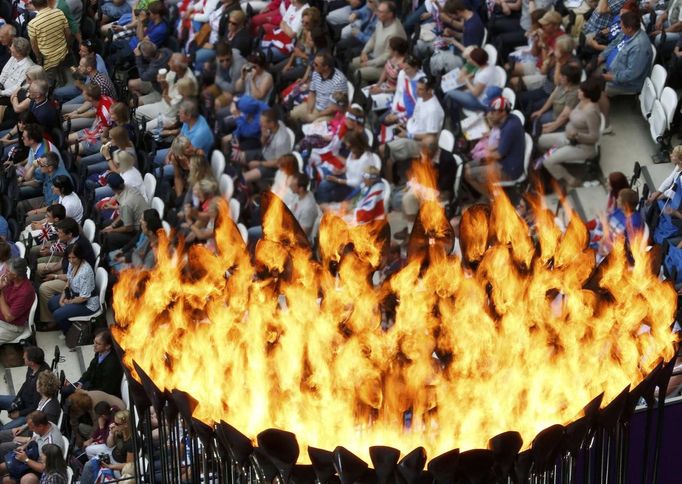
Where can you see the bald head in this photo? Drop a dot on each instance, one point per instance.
(7, 34)
(178, 64)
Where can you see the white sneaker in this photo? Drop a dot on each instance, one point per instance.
(608, 130)
(61, 336)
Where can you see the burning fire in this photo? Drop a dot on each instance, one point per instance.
(519, 334)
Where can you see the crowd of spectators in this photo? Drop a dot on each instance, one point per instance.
(120, 119)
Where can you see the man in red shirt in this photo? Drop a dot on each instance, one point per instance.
(16, 298)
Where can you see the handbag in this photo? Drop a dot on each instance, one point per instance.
(79, 334)
(17, 468)
(202, 36)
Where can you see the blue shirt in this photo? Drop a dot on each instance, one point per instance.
(512, 147)
(157, 33)
(4, 228)
(200, 135)
(47, 179)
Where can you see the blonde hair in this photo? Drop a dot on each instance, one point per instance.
(565, 44)
(124, 160)
(187, 87)
(179, 145)
(124, 416)
(206, 186)
(199, 169)
(119, 136)
(676, 153)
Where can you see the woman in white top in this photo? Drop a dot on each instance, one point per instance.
(69, 199)
(281, 40)
(473, 95)
(14, 72)
(124, 164)
(339, 188)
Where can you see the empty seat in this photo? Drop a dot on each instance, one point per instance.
(657, 121)
(446, 141)
(658, 78)
(647, 98)
(89, 230)
(492, 54)
(669, 102)
(149, 186)
(218, 164)
(226, 186)
(159, 206)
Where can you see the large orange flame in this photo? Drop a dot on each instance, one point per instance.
(519, 335)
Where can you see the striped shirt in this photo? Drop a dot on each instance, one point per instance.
(47, 29)
(324, 88)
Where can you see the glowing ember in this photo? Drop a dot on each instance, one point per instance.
(518, 336)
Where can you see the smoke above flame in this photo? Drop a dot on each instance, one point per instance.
(519, 334)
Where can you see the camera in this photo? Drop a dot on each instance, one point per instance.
(104, 458)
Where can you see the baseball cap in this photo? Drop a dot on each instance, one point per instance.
(499, 104)
(115, 181)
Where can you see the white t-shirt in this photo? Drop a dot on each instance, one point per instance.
(356, 167)
(73, 206)
(486, 76)
(133, 178)
(294, 17)
(428, 117)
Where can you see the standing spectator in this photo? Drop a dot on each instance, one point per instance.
(16, 297)
(326, 80)
(376, 52)
(50, 35)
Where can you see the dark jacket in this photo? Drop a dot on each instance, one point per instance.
(149, 69)
(28, 397)
(53, 410)
(87, 250)
(105, 376)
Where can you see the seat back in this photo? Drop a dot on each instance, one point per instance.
(21, 248)
(89, 230)
(658, 78)
(101, 282)
(501, 77)
(299, 160)
(149, 186)
(243, 232)
(159, 206)
(370, 137)
(446, 141)
(647, 98)
(65, 450)
(351, 92)
(32, 315)
(669, 103)
(235, 209)
(458, 177)
(387, 194)
(97, 250)
(510, 96)
(166, 227)
(657, 121)
(492, 54)
(528, 151)
(217, 164)
(519, 115)
(226, 185)
(292, 138)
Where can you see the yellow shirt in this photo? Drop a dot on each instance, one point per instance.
(47, 29)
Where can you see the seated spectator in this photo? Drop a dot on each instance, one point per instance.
(14, 148)
(221, 22)
(54, 470)
(72, 94)
(130, 204)
(8, 33)
(624, 221)
(597, 41)
(45, 233)
(50, 35)
(53, 274)
(100, 110)
(554, 114)
(405, 96)
(49, 168)
(627, 59)
(196, 214)
(348, 179)
(166, 105)
(505, 160)
(529, 76)
(353, 39)
(26, 400)
(505, 42)
(280, 41)
(666, 190)
(118, 118)
(47, 384)
(123, 163)
(304, 208)
(237, 33)
(199, 169)
(376, 51)
(44, 433)
(275, 140)
(475, 94)
(16, 298)
(88, 69)
(295, 72)
(141, 254)
(578, 142)
(245, 126)
(426, 119)
(369, 204)
(325, 81)
(104, 372)
(79, 297)
(602, 16)
(456, 14)
(269, 18)
(41, 107)
(19, 99)
(94, 165)
(254, 80)
(63, 188)
(14, 72)
(114, 10)
(149, 59)
(193, 126)
(228, 68)
(99, 432)
(119, 446)
(149, 24)
(28, 169)
(388, 80)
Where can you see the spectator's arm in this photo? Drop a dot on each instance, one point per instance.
(603, 7)
(6, 310)
(380, 60)
(592, 135)
(369, 46)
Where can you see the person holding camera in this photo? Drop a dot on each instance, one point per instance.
(578, 142)
(119, 451)
(254, 80)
